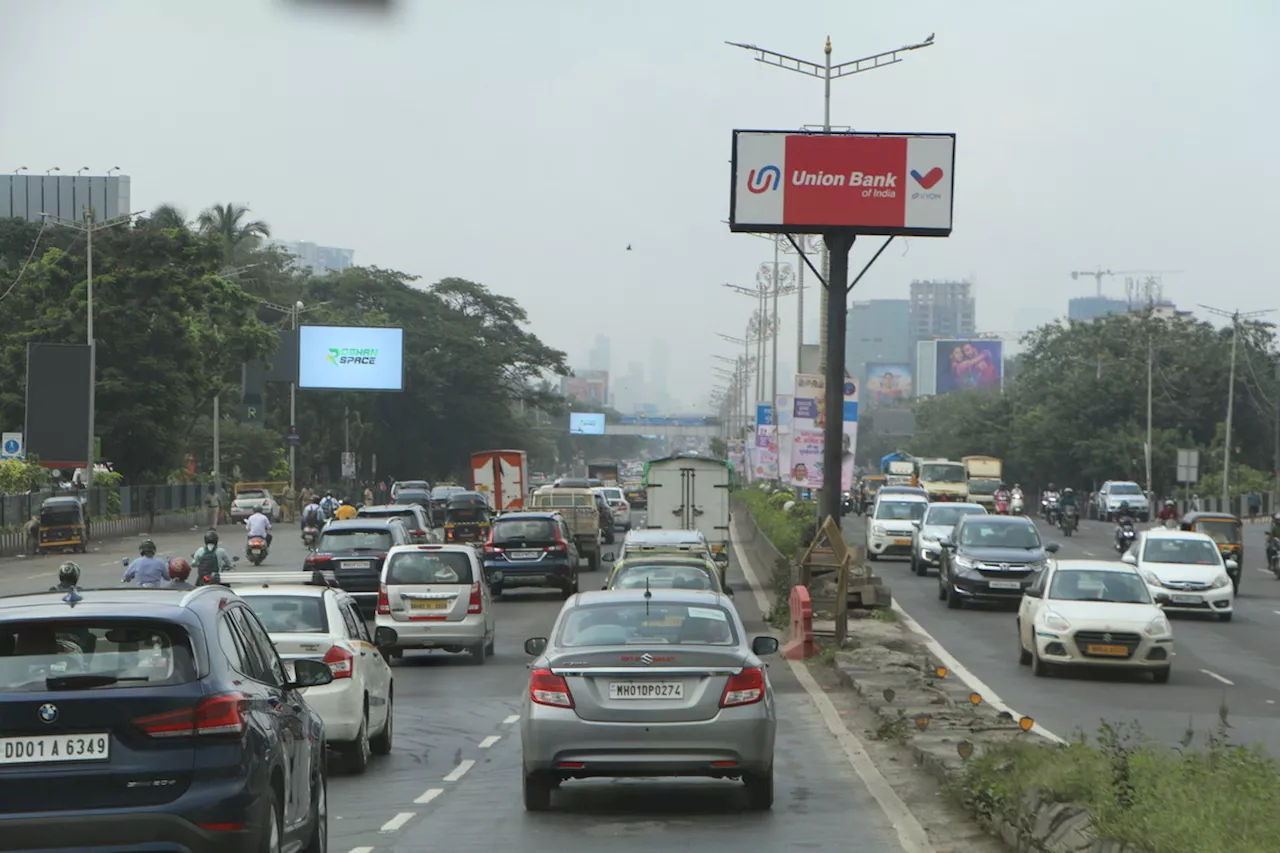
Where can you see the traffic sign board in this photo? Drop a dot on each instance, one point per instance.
(348, 465)
(11, 445)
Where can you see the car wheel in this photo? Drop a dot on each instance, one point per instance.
(355, 755)
(1039, 668)
(915, 563)
(1225, 617)
(1161, 676)
(496, 590)
(270, 841)
(493, 642)
(954, 601)
(537, 792)
(759, 790)
(381, 743)
(872, 556)
(1024, 656)
(479, 653)
(319, 842)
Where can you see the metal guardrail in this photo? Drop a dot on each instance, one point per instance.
(16, 510)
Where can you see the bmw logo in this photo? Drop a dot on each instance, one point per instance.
(48, 713)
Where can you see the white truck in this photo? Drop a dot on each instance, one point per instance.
(690, 492)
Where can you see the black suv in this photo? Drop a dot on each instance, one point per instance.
(354, 550)
(138, 719)
(991, 558)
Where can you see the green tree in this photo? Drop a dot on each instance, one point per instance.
(226, 222)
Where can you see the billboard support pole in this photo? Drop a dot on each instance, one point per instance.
(838, 245)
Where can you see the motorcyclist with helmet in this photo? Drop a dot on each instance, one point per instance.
(1273, 544)
(179, 571)
(1067, 504)
(147, 570)
(68, 578)
(313, 515)
(1124, 522)
(1049, 503)
(329, 505)
(210, 559)
(1002, 495)
(1169, 512)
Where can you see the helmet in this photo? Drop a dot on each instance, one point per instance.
(1068, 491)
(1052, 488)
(1169, 504)
(68, 574)
(147, 548)
(179, 569)
(211, 537)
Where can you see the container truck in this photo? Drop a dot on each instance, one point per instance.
(604, 471)
(500, 475)
(690, 492)
(984, 475)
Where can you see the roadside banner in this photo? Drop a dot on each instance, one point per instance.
(808, 422)
(766, 462)
(850, 448)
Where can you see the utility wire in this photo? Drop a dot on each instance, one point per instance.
(44, 222)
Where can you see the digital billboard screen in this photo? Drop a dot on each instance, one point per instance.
(963, 364)
(586, 423)
(350, 358)
(57, 424)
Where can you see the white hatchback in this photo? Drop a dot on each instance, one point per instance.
(434, 597)
(892, 526)
(321, 622)
(1184, 571)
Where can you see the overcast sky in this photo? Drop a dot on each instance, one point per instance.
(524, 144)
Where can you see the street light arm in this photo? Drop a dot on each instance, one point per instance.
(856, 66)
(780, 60)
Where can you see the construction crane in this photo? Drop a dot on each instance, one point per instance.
(1099, 273)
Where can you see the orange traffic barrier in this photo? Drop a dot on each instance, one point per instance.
(801, 645)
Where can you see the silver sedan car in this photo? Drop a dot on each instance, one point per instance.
(648, 682)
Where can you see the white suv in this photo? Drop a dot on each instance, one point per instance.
(317, 621)
(435, 597)
(892, 526)
(1184, 572)
(1115, 493)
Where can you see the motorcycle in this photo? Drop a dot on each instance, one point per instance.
(1273, 556)
(310, 536)
(1016, 506)
(1050, 510)
(1070, 520)
(256, 550)
(1125, 536)
(1170, 524)
(846, 503)
(1002, 506)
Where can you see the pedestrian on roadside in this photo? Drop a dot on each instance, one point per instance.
(33, 535)
(368, 496)
(290, 498)
(211, 504)
(1255, 504)
(149, 507)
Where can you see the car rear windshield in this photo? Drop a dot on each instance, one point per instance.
(251, 495)
(645, 623)
(563, 500)
(949, 515)
(611, 494)
(290, 614)
(658, 576)
(1125, 489)
(82, 654)
(429, 567)
(901, 510)
(419, 485)
(1085, 585)
(355, 540)
(388, 512)
(1192, 552)
(441, 492)
(404, 498)
(524, 530)
(991, 535)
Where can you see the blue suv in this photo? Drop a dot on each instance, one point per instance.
(531, 549)
(157, 720)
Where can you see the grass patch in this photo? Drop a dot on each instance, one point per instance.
(787, 530)
(1219, 798)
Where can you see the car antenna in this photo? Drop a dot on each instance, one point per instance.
(648, 594)
(72, 598)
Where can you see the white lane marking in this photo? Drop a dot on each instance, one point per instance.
(429, 795)
(1087, 553)
(461, 770)
(33, 577)
(397, 822)
(911, 834)
(490, 741)
(1276, 612)
(361, 850)
(1219, 677)
(515, 718)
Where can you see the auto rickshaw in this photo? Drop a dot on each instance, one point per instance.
(466, 518)
(64, 524)
(1227, 531)
(867, 491)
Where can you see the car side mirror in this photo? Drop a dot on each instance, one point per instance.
(1232, 564)
(235, 559)
(947, 542)
(762, 646)
(1032, 593)
(384, 638)
(728, 590)
(1129, 558)
(722, 558)
(1052, 547)
(535, 646)
(1161, 599)
(309, 673)
(124, 561)
(916, 524)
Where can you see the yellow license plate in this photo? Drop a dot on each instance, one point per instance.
(1108, 651)
(902, 542)
(430, 604)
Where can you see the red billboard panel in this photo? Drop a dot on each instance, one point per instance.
(859, 183)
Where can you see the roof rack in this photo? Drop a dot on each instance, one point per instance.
(316, 577)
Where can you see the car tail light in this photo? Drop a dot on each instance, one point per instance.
(477, 599)
(560, 545)
(448, 533)
(316, 560)
(222, 714)
(417, 532)
(340, 661)
(384, 601)
(745, 688)
(547, 688)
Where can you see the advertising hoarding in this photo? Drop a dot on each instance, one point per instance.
(586, 423)
(966, 364)
(764, 414)
(587, 385)
(57, 426)
(887, 384)
(350, 358)
(859, 183)
(808, 420)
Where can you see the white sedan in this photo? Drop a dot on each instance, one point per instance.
(1093, 613)
(248, 501)
(1184, 571)
(319, 622)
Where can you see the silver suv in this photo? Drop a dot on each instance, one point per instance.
(1115, 493)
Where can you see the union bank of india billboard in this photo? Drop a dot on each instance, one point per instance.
(858, 183)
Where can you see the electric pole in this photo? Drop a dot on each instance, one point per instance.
(1235, 317)
(88, 227)
(826, 72)
(293, 311)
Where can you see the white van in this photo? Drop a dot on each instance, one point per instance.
(434, 597)
(891, 525)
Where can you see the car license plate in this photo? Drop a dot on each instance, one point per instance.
(646, 690)
(902, 542)
(523, 555)
(1107, 651)
(1185, 599)
(356, 564)
(428, 604)
(1004, 585)
(51, 749)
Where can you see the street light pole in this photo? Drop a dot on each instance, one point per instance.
(826, 72)
(88, 227)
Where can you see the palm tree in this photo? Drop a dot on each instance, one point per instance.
(167, 216)
(225, 221)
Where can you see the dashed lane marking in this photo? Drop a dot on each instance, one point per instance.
(1219, 677)
(461, 770)
(396, 822)
(490, 741)
(429, 795)
(515, 718)
(361, 850)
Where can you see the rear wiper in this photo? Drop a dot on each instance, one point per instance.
(88, 679)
